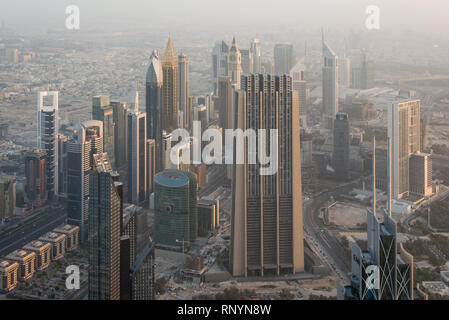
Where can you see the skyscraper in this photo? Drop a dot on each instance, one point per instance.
(62, 164)
(7, 197)
(120, 112)
(235, 64)
(142, 274)
(421, 174)
(284, 58)
(170, 88)
(340, 154)
(247, 61)
(151, 158)
(267, 231)
(405, 134)
(137, 153)
(225, 102)
(87, 140)
(47, 135)
(362, 75)
(300, 86)
(219, 62)
(154, 83)
(257, 56)
(104, 231)
(36, 177)
(183, 87)
(330, 83)
(175, 207)
(102, 111)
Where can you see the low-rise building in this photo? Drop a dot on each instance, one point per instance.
(26, 260)
(72, 233)
(43, 253)
(8, 275)
(58, 242)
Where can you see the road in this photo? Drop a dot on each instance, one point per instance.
(319, 238)
(31, 232)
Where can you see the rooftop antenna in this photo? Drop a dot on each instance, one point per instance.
(374, 176)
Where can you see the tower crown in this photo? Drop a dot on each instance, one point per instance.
(169, 56)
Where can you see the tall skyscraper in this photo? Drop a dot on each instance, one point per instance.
(62, 164)
(47, 135)
(362, 75)
(405, 134)
(154, 83)
(385, 270)
(102, 111)
(235, 64)
(137, 153)
(219, 62)
(87, 140)
(142, 274)
(247, 61)
(170, 88)
(330, 83)
(120, 112)
(225, 102)
(340, 154)
(183, 88)
(267, 231)
(36, 177)
(104, 231)
(300, 86)
(421, 174)
(284, 58)
(151, 159)
(345, 72)
(7, 197)
(175, 209)
(257, 56)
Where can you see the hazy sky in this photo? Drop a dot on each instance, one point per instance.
(424, 15)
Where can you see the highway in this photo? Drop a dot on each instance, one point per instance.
(319, 238)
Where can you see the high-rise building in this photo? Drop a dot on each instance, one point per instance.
(247, 61)
(120, 115)
(151, 158)
(340, 154)
(175, 209)
(36, 177)
(224, 102)
(103, 111)
(62, 164)
(235, 64)
(170, 88)
(267, 231)
(330, 83)
(87, 140)
(7, 197)
(345, 72)
(154, 83)
(284, 58)
(137, 154)
(256, 53)
(47, 135)
(385, 270)
(104, 231)
(300, 86)
(142, 274)
(208, 216)
(420, 172)
(362, 75)
(219, 62)
(405, 134)
(183, 88)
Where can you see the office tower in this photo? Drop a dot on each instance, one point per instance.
(36, 178)
(151, 158)
(235, 64)
(247, 61)
(154, 83)
(224, 102)
(125, 269)
(405, 134)
(7, 197)
(340, 154)
(345, 72)
(183, 87)
(137, 155)
(142, 274)
(208, 216)
(102, 111)
(87, 140)
(330, 83)
(120, 116)
(363, 73)
(267, 232)
(300, 86)
(257, 56)
(47, 136)
(129, 229)
(284, 58)
(62, 164)
(175, 209)
(170, 88)
(166, 149)
(219, 62)
(421, 174)
(394, 279)
(104, 231)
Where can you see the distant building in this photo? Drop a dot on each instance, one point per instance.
(330, 82)
(362, 75)
(170, 88)
(256, 54)
(120, 116)
(208, 216)
(36, 177)
(151, 159)
(103, 111)
(62, 164)
(340, 154)
(284, 58)
(183, 89)
(200, 170)
(7, 197)
(234, 65)
(247, 61)
(421, 174)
